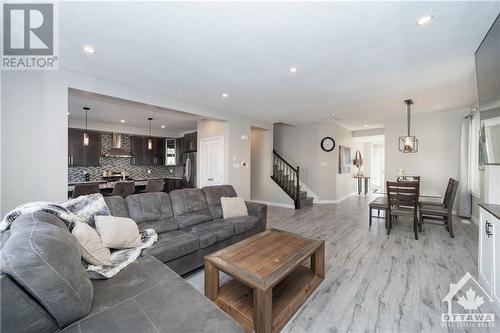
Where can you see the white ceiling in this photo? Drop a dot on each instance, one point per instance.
(107, 110)
(356, 59)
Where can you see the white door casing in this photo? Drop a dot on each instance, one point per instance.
(212, 161)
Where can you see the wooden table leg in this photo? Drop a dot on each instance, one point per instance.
(318, 261)
(211, 281)
(262, 310)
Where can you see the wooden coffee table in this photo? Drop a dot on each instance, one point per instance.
(271, 280)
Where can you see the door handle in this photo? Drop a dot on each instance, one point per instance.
(487, 229)
(210, 179)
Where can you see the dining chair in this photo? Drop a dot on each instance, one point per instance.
(84, 189)
(123, 189)
(155, 185)
(441, 213)
(446, 197)
(402, 200)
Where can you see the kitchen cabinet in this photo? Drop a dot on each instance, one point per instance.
(191, 141)
(141, 155)
(80, 155)
(489, 253)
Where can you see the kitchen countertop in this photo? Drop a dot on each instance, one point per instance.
(110, 184)
(493, 209)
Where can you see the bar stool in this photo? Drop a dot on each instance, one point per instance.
(155, 185)
(84, 189)
(123, 189)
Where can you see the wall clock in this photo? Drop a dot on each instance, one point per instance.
(327, 144)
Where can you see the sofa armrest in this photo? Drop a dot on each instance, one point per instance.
(259, 210)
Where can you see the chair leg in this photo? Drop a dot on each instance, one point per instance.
(389, 224)
(415, 227)
(450, 225)
(420, 222)
(370, 218)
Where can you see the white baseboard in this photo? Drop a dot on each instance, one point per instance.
(278, 204)
(475, 220)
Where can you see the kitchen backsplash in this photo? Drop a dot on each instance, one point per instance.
(76, 174)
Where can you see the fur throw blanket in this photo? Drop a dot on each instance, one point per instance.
(81, 209)
(84, 209)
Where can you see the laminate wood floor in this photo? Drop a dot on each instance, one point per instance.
(376, 282)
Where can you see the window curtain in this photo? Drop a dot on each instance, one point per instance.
(463, 194)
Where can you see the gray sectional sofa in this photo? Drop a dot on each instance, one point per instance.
(44, 286)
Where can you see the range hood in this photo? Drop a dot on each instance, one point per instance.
(116, 147)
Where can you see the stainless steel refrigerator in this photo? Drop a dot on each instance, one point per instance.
(188, 160)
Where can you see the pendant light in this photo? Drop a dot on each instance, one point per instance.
(150, 141)
(86, 139)
(409, 143)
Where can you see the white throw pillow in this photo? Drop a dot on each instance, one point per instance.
(233, 207)
(93, 251)
(118, 232)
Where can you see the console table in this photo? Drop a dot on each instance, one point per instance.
(360, 183)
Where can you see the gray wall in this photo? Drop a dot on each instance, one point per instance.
(263, 188)
(300, 145)
(437, 160)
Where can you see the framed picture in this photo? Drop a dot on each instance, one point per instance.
(345, 160)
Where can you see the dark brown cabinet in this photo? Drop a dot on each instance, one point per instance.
(80, 155)
(141, 155)
(189, 142)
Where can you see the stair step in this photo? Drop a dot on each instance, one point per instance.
(308, 201)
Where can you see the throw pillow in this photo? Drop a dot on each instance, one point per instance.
(233, 207)
(93, 251)
(118, 232)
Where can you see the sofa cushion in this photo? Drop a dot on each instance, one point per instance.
(242, 223)
(190, 207)
(168, 306)
(117, 206)
(134, 279)
(211, 232)
(172, 245)
(154, 209)
(213, 195)
(45, 260)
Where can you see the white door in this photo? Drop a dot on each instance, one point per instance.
(211, 161)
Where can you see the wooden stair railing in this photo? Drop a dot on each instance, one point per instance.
(287, 177)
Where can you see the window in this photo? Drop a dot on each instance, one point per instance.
(474, 155)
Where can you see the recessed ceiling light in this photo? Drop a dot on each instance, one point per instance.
(122, 121)
(424, 19)
(365, 126)
(89, 49)
(68, 113)
(225, 95)
(162, 126)
(335, 116)
(293, 69)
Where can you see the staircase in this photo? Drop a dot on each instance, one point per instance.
(287, 177)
